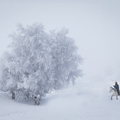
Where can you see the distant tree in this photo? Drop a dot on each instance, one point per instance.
(38, 62)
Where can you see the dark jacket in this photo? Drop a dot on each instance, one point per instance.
(116, 86)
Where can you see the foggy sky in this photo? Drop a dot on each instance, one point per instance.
(93, 24)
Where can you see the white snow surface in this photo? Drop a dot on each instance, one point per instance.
(86, 100)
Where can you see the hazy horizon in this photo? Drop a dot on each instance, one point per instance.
(93, 24)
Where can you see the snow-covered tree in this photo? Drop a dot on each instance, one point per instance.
(65, 59)
(38, 62)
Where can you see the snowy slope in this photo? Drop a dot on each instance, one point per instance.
(87, 100)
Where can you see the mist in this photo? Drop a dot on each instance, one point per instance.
(94, 25)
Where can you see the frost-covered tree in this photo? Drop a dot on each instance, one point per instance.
(38, 62)
(65, 59)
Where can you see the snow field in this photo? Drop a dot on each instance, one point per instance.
(84, 101)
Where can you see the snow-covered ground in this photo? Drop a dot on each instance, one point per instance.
(87, 100)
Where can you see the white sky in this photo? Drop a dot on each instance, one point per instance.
(94, 24)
